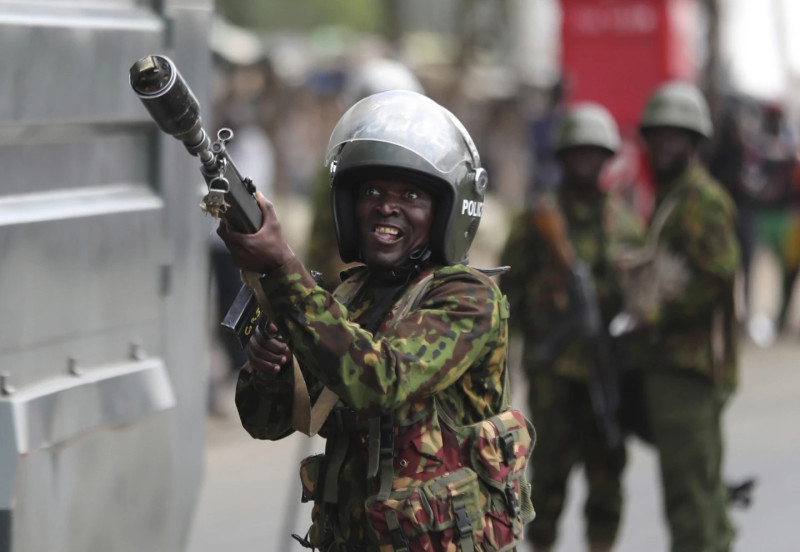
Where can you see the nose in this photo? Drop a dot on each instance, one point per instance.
(387, 205)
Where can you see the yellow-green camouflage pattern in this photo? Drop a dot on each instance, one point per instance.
(451, 345)
(700, 230)
(536, 283)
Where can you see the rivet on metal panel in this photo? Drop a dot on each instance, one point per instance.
(5, 388)
(72, 367)
(136, 351)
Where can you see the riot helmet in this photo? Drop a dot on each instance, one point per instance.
(378, 75)
(588, 124)
(680, 105)
(406, 136)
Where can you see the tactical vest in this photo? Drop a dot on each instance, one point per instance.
(478, 498)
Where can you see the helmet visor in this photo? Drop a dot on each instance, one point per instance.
(408, 120)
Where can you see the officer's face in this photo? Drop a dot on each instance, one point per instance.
(582, 165)
(668, 148)
(394, 219)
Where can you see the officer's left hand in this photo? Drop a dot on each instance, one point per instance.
(263, 251)
(266, 351)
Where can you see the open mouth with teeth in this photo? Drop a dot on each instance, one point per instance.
(387, 234)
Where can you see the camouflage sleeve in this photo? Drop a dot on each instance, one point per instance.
(453, 327)
(534, 284)
(513, 283)
(624, 232)
(265, 404)
(516, 282)
(625, 229)
(708, 243)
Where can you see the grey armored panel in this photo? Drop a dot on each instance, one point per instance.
(103, 293)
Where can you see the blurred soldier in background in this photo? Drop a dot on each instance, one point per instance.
(679, 303)
(371, 77)
(726, 156)
(575, 228)
(774, 181)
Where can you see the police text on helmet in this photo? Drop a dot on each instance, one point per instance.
(472, 208)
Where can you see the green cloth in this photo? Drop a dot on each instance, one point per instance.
(451, 345)
(598, 228)
(568, 438)
(684, 411)
(567, 432)
(696, 330)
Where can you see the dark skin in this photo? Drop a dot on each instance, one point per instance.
(394, 219)
(581, 166)
(261, 252)
(670, 150)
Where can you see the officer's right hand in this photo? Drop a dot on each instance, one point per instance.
(262, 251)
(267, 352)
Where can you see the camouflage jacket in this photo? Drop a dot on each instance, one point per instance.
(536, 284)
(696, 329)
(450, 345)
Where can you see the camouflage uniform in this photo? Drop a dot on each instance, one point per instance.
(449, 345)
(690, 367)
(567, 433)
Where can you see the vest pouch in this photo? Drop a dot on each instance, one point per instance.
(309, 481)
(309, 477)
(500, 449)
(442, 514)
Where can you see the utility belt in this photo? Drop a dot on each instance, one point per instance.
(478, 499)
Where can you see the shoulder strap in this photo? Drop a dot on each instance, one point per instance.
(660, 218)
(414, 296)
(306, 418)
(551, 226)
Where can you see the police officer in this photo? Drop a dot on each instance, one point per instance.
(690, 367)
(580, 225)
(370, 77)
(412, 339)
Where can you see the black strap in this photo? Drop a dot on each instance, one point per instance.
(463, 525)
(399, 541)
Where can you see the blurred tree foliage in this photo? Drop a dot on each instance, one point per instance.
(362, 15)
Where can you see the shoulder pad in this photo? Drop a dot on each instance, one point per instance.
(492, 271)
(351, 271)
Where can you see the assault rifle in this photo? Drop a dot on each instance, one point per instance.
(231, 197)
(586, 320)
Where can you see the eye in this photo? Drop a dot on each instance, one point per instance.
(412, 194)
(370, 191)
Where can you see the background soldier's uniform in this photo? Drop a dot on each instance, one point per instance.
(451, 344)
(567, 432)
(690, 367)
(323, 250)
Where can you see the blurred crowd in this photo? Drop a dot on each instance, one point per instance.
(281, 130)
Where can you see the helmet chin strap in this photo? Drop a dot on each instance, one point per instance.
(402, 274)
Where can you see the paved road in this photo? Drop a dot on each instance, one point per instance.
(250, 494)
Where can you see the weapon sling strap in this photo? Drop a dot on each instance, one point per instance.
(550, 224)
(306, 418)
